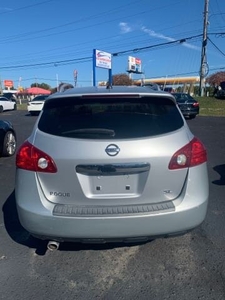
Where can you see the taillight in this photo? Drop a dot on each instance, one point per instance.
(31, 158)
(195, 104)
(192, 154)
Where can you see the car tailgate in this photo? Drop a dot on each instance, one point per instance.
(112, 180)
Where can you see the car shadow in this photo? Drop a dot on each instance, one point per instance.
(18, 234)
(29, 115)
(220, 169)
(15, 229)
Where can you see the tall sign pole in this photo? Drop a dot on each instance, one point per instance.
(102, 59)
(75, 73)
(204, 65)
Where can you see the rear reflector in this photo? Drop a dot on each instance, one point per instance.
(32, 159)
(192, 154)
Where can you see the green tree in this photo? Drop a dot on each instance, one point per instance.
(41, 85)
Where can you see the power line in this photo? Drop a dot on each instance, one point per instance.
(134, 40)
(115, 54)
(56, 63)
(24, 7)
(218, 34)
(221, 14)
(180, 41)
(88, 58)
(32, 33)
(216, 47)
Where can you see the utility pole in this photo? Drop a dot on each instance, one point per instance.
(0, 86)
(204, 64)
(57, 82)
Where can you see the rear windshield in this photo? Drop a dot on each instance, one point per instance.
(38, 98)
(109, 118)
(183, 97)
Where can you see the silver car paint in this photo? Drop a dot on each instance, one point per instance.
(38, 193)
(74, 152)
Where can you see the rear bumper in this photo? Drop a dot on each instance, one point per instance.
(36, 108)
(190, 112)
(122, 228)
(36, 215)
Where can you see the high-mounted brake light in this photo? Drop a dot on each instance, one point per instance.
(192, 154)
(31, 158)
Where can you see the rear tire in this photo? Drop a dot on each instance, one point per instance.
(1, 109)
(15, 107)
(9, 144)
(192, 116)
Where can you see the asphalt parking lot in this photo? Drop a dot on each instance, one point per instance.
(186, 267)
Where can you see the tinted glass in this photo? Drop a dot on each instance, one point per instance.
(3, 99)
(109, 118)
(222, 84)
(38, 98)
(9, 95)
(183, 97)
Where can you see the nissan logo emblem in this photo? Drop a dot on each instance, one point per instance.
(112, 150)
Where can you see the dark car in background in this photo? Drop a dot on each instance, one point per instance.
(220, 91)
(7, 139)
(187, 104)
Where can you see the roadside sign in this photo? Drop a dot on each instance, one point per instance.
(8, 83)
(103, 59)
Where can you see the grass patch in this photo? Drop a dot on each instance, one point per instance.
(210, 106)
(22, 106)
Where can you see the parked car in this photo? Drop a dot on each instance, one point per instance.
(7, 139)
(35, 106)
(220, 91)
(10, 96)
(7, 104)
(153, 86)
(187, 104)
(118, 164)
(168, 89)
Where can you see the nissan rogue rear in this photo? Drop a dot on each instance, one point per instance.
(115, 164)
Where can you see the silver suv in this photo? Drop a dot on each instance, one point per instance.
(111, 164)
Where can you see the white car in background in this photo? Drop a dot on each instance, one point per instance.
(6, 104)
(35, 106)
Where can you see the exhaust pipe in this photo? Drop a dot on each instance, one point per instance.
(53, 245)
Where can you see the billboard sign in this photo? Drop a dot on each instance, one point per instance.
(134, 65)
(8, 83)
(103, 59)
